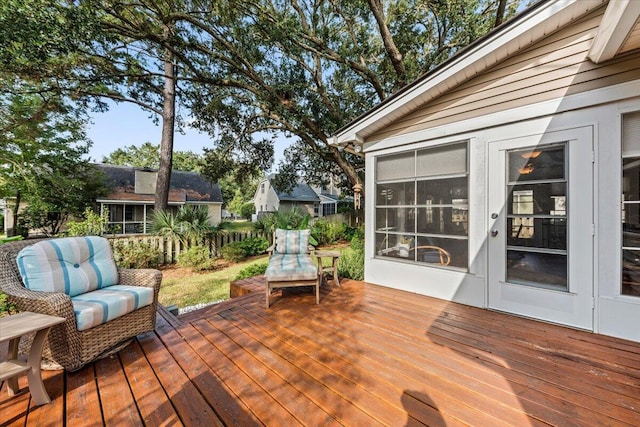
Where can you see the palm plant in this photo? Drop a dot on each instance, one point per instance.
(292, 219)
(196, 223)
(189, 224)
(167, 224)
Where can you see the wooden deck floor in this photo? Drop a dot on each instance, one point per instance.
(367, 355)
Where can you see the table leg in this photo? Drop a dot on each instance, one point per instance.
(335, 271)
(36, 386)
(12, 354)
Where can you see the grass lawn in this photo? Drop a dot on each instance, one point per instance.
(239, 225)
(184, 288)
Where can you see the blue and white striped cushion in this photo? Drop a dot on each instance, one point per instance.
(100, 306)
(291, 267)
(292, 241)
(73, 265)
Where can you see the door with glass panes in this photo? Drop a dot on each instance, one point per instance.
(540, 231)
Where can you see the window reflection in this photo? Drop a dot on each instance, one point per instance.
(535, 164)
(631, 226)
(537, 217)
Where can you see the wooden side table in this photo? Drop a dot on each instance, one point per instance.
(334, 255)
(12, 328)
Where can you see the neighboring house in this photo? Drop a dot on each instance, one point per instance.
(519, 157)
(330, 198)
(302, 197)
(131, 202)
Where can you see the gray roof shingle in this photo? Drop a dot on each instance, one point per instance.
(190, 185)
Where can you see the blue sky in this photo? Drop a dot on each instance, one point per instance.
(127, 124)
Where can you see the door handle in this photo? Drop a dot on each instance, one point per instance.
(494, 233)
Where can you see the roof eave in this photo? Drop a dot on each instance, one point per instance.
(618, 21)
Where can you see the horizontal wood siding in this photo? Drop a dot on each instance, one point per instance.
(550, 69)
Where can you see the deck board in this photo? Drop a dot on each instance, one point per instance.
(82, 398)
(151, 400)
(367, 355)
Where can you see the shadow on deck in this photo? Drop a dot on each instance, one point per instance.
(367, 355)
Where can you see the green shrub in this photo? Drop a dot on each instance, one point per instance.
(251, 271)
(254, 246)
(237, 251)
(135, 254)
(349, 232)
(328, 232)
(197, 258)
(247, 209)
(93, 224)
(351, 263)
(233, 252)
(6, 307)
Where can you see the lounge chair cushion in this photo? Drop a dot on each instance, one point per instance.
(292, 241)
(73, 265)
(100, 306)
(291, 267)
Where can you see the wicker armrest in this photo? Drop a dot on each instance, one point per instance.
(52, 303)
(146, 277)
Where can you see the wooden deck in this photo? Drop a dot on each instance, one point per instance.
(367, 355)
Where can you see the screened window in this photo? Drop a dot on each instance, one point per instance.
(631, 204)
(129, 219)
(422, 209)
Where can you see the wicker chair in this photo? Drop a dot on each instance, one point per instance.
(66, 347)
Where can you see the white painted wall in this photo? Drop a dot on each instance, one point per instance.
(267, 200)
(601, 109)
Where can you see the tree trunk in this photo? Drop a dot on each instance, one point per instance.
(394, 54)
(16, 207)
(502, 5)
(168, 124)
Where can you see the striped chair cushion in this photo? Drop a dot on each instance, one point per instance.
(292, 241)
(100, 306)
(73, 265)
(291, 267)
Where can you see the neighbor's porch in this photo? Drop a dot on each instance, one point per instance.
(367, 355)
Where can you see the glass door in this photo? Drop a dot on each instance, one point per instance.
(540, 231)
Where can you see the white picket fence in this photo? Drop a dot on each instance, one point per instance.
(171, 249)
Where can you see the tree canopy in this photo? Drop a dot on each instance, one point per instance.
(246, 69)
(147, 155)
(307, 68)
(43, 144)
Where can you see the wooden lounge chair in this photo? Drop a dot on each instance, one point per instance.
(291, 263)
(94, 327)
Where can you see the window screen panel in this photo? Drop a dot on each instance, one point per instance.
(397, 166)
(631, 134)
(445, 160)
